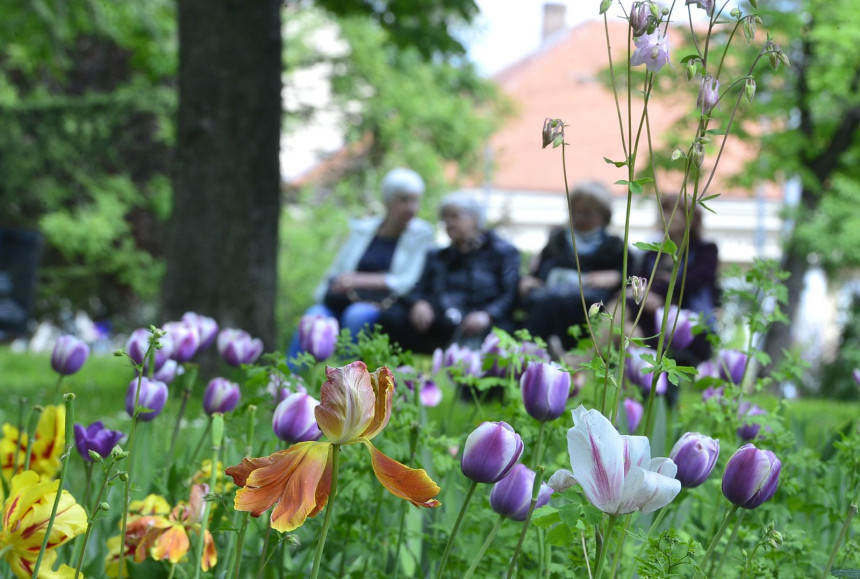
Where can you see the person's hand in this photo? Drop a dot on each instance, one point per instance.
(528, 283)
(605, 279)
(475, 323)
(342, 283)
(421, 316)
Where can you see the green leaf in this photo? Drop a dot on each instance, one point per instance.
(668, 246)
(616, 163)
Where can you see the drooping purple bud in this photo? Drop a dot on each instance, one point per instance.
(545, 388)
(634, 411)
(294, 420)
(318, 336)
(220, 395)
(640, 18)
(237, 347)
(69, 355)
(207, 328)
(751, 477)
(512, 495)
(490, 452)
(153, 395)
(709, 94)
(553, 133)
(185, 338)
(695, 455)
(96, 438)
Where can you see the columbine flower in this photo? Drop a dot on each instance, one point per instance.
(237, 347)
(318, 336)
(652, 50)
(635, 367)
(294, 419)
(706, 5)
(185, 338)
(47, 448)
(220, 395)
(153, 395)
(634, 411)
(545, 387)
(355, 406)
(709, 94)
(686, 319)
(616, 471)
(26, 512)
(491, 451)
(751, 476)
(207, 328)
(695, 455)
(732, 364)
(512, 495)
(69, 355)
(96, 438)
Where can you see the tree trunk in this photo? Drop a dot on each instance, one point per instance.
(223, 233)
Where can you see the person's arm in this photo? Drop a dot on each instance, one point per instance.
(408, 262)
(509, 274)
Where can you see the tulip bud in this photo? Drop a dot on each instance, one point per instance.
(318, 336)
(69, 355)
(751, 477)
(682, 321)
(749, 430)
(512, 495)
(185, 338)
(207, 328)
(490, 452)
(695, 455)
(237, 347)
(545, 387)
(709, 94)
(294, 419)
(221, 395)
(153, 395)
(732, 364)
(634, 411)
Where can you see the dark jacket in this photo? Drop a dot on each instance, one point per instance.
(482, 280)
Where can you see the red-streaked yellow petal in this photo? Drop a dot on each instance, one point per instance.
(347, 403)
(298, 480)
(411, 484)
(172, 544)
(383, 388)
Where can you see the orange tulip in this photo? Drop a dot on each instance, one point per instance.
(355, 406)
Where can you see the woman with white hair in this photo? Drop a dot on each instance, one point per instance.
(466, 288)
(380, 260)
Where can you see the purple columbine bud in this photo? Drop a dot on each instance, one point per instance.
(220, 395)
(709, 94)
(553, 133)
(490, 452)
(294, 420)
(138, 343)
(686, 319)
(69, 355)
(97, 438)
(185, 338)
(635, 365)
(207, 328)
(695, 455)
(732, 364)
(751, 476)
(638, 285)
(237, 347)
(169, 371)
(512, 495)
(706, 5)
(153, 395)
(749, 430)
(652, 50)
(634, 411)
(640, 18)
(318, 336)
(545, 387)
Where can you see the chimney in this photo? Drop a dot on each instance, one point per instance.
(553, 19)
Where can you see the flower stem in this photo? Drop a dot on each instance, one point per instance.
(487, 542)
(130, 463)
(719, 535)
(716, 572)
(335, 463)
(456, 528)
(852, 512)
(57, 390)
(620, 549)
(535, 491)
(240, 542)
(70, 436)
(186, 394)
(92, 518)
(602, 547)
(217, 436)
(22, 403)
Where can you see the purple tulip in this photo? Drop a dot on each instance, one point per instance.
(237, 347)
(279, 386)
(97, 438)
(652, 50)
(490, 452)
(69, 355)
(318, 336)
(695, 455)
(429, 393)
(749, 430)
(153, 395)
(545, 387)
(491, 349)
(138, 344)
(185, 338)
(512, 495)
(751, 476)
(456, 356)
(294, 420)
(686, 320)
(634, 411)
(207, 328)
(221, 395)
(711, 392)
(732, 364)
(635, 365)
(707, 369)
(169, 371)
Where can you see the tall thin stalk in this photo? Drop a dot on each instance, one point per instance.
(217, 423)
(472, 486)
(335, 464)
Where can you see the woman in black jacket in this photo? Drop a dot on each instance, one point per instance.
(465, 289)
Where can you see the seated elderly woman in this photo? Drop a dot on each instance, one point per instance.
(465, 289)
(553, 293)
(380, 260)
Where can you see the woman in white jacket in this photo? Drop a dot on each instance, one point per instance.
(381, 259)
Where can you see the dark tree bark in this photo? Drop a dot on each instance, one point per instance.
(223, 234)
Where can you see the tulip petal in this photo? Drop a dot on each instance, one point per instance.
(383, 387)
(411, 484)
(597, 457)
(297, 479)
(637, 451)
(664, 466)
(172, 544)
(647, 491)
(347, 403)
